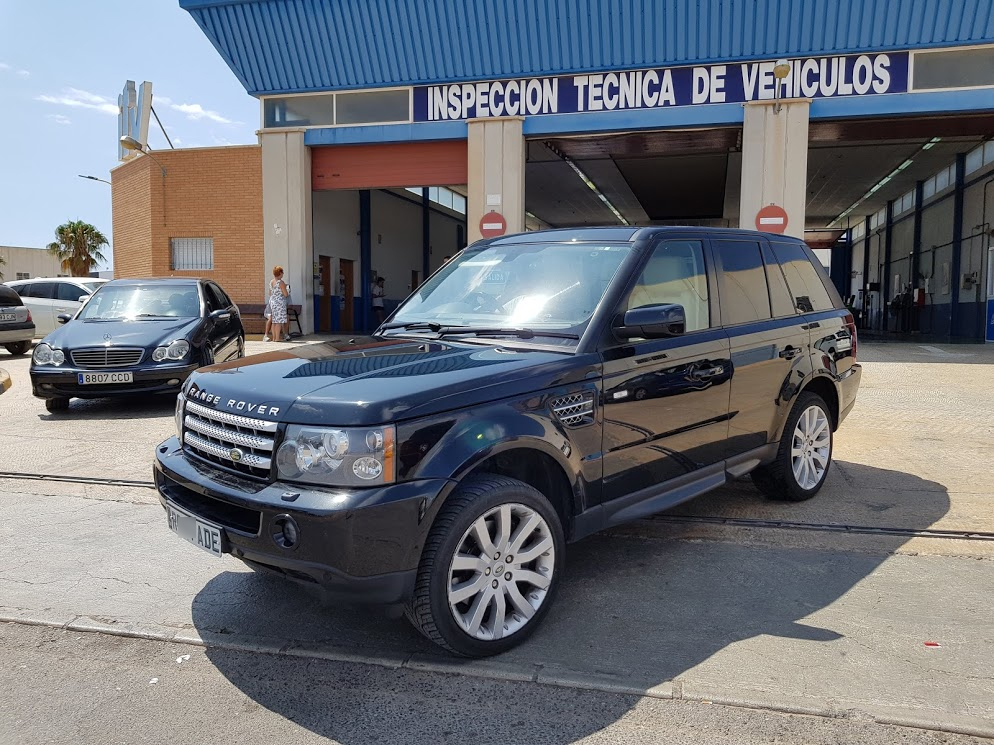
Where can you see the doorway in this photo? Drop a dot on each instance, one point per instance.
(346, 293)
(324, 324)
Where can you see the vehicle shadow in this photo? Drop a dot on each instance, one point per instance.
(632, 611)
(116, 408)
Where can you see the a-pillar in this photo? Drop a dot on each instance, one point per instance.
(775, 161)
(286, 217)
(496, 172)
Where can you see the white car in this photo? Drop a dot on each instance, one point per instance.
(47, 297)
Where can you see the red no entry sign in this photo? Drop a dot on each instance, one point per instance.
(772, 219)
(492, 225)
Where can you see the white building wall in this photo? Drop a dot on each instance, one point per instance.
(336, 231)
(34, 262)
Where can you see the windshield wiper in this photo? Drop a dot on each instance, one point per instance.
(519, 331)
(431, 326)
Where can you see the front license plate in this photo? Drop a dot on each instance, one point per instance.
(7, 317)
(105, 378)
(200, 534)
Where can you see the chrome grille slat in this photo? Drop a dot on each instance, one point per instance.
(212, 435)
(235, 420)
(256, 442)
(104, 357)
(219, 451)
(575, 409)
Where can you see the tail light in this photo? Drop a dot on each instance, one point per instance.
(851, 325)
(29, 315)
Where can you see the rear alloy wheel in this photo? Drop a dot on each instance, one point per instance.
(18, 347)
(490, 567)
(804, 456)
(57, 404)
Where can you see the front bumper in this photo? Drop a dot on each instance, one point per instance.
(12, 333)
(360, 545)
(62, 382)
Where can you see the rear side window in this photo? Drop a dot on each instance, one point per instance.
(39, 290)
(8, 298)
(745, 296)
(803, 278)
(780, 299)
(675, 274)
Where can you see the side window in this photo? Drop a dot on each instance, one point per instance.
(780, 299)
(675, 274)
(213, 299)
(745, 296)
(222, 296)
(805, 284)
(69, 291)
(42, 290)
(22, 290)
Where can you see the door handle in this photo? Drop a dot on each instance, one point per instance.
(704, 373)
(790, 352)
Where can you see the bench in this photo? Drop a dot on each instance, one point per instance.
(254, 319)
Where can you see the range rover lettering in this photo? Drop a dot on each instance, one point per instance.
(536, 389)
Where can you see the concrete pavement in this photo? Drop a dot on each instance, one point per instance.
(791, 620)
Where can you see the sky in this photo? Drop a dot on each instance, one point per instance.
(63, 63)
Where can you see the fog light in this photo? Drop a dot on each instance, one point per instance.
(174, 381)
(286, 534)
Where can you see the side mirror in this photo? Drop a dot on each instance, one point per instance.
(653, 322)
(222, 314)
(63, 318)
(83, 298)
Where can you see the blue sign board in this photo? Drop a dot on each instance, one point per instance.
(740, 82)
(990, 320)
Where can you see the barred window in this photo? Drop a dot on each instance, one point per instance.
(23, 275)
(192, 254)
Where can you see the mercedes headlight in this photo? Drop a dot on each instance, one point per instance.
(175, 351)
(337, 457)
(45, 355)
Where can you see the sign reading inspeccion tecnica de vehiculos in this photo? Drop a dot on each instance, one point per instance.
(740, 82)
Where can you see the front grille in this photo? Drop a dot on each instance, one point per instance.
(238, 443)
(574, 410)
(103, 357)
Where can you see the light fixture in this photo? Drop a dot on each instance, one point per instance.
(780, 71)
(130, 143)
(94, 178)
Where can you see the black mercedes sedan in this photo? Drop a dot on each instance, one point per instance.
(136, 336)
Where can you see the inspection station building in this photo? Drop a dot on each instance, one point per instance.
(394, 133)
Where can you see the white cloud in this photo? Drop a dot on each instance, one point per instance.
(4, 66)
(196, 112)
(59, 118)
(24, 73)
(77, 98)
(161, 99)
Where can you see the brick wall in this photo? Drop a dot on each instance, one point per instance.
(206, 193)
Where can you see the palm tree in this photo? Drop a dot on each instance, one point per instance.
(2, 262)
(77, 245)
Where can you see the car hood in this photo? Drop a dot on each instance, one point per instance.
(148, 332)
(368, 380)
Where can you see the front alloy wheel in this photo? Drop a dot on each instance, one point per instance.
(501, 572)
(490, 567)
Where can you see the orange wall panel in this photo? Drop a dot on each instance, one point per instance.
(389, 165)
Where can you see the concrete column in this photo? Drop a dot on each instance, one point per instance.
(775, 161)
(496, 173)
(286, 215)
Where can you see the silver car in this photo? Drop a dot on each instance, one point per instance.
(49, 297)
(17, 328)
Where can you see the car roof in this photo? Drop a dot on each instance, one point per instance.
(56, 279)
(167, 281)
(617, 233)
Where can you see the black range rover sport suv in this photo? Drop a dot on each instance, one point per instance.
(536, 389)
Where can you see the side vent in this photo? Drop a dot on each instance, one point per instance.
(574, 410)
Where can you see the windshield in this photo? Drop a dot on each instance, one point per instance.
(128, 302)
(91, 287)
(538, 286)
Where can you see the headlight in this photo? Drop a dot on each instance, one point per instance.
(337, 457)
(180, 406)
(45, 355)
(177, 350)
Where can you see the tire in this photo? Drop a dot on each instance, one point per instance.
(56, 405)
(18, 347)
(780, 479)
(479, 503)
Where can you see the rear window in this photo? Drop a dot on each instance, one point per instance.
(9, 298)
(803, 278)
